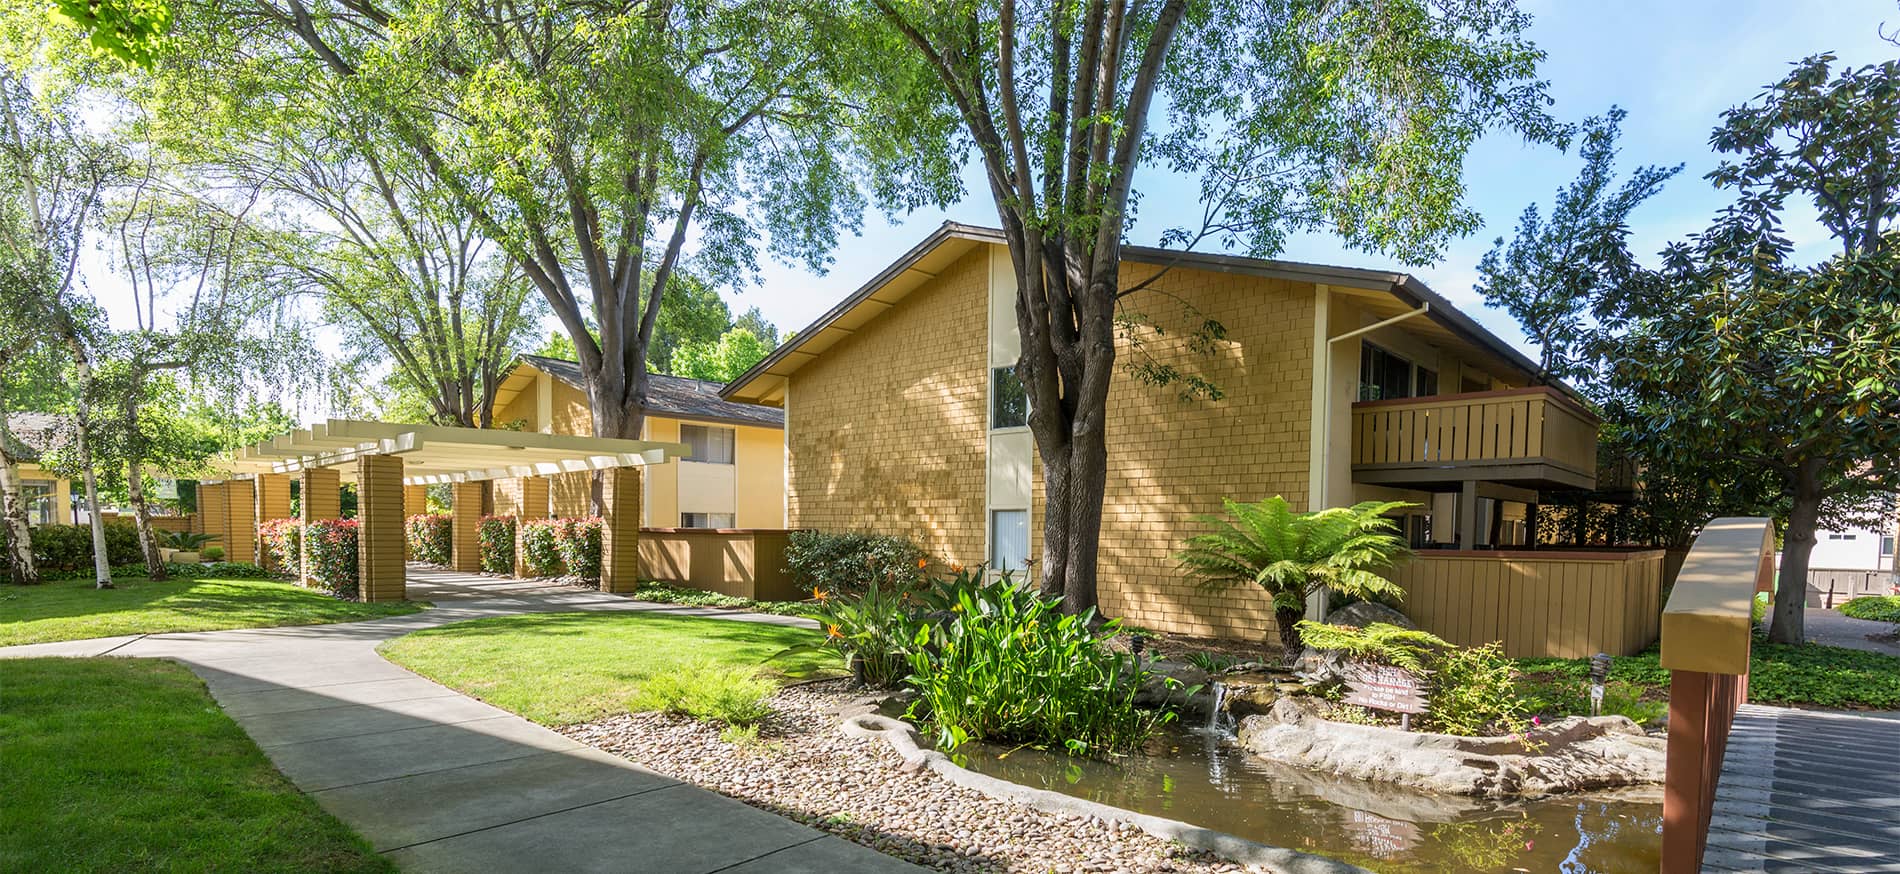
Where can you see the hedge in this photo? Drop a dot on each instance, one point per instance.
(431, 538)
(498, 544)
(848, 561)
(283, 546)
(333, 557)
(222, 570)
(69, 547)
(556, 547)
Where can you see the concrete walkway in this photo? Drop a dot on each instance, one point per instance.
(439, 781)
(1832, 628)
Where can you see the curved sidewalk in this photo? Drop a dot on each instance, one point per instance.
(439, 781)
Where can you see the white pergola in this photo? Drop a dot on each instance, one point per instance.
(434, 454)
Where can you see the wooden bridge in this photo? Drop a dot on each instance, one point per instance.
(1752, 788)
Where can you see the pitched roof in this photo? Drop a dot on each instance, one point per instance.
(765, 381)
(34, 434)
(675, 396)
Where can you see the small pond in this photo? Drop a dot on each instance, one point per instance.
(1199, 776)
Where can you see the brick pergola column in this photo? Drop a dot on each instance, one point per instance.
(270, 493)
(534, 505)
(466, 528)
(240, 527)
(620, 529)
(319, 501)
(379, 536)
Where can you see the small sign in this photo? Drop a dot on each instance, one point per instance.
(1383, 687)
(166, 489)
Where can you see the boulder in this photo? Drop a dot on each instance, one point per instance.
(1360, 614)
(1179, 685)
(1575, 754)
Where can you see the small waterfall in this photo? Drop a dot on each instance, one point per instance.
(1219, 721)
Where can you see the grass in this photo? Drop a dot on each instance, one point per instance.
(1879, 608)
(74, 610)
(662, 593)
(1809, 675)
(602, 660)
(128, 765)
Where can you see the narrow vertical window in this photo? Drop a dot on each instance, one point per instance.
(1009, 540)
(1009, 402)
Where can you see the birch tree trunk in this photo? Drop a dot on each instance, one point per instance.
(14, 528)
(142, 519)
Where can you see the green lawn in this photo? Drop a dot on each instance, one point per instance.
(1809, 675)
(128, 765)
(74, 610)
(563, 668)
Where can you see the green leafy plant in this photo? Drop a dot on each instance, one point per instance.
(1293, 555)
(69, 547)
(540, 547)
(332, 545)
(874, 631)
(1211, 662)
(848, 562)
(1879, 608)
(578, 541)
(214, 553)
(1010, 666)
(1474, 692)
(709, 691)
(431, 538)
(283, 546)
(662, 593)
(186, 541)
(1379, 642)
(498, 544)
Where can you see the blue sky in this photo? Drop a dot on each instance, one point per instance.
(1674, 65)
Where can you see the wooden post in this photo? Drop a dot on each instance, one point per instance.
(380, 543)
(320, 501)
(534, 505)
(620, 529)
(1468, 515)
(466, 528)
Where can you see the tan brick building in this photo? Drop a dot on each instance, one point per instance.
(901, 417)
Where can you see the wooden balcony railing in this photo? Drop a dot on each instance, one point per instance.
(1705, 645)
(1533, 435)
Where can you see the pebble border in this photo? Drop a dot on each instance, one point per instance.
(903, 739)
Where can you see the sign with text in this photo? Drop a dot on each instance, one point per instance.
(1383, 687)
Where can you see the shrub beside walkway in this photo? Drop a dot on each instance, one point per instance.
(438, 781)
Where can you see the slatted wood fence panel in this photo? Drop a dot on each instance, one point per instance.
(1538, 604)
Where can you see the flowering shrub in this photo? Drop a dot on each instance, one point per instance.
(540, 550)
(333, 556)
(431, 538)
(579, 542)
(283, 546)
(498, 544)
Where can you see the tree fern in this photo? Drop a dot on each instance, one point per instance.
(1292, 555)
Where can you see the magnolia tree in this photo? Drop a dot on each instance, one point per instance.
(1352, 117)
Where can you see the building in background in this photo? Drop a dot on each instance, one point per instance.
(732, 477)
(48, 496)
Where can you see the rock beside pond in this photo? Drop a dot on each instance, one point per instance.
(1179, 685)
(1250, 692)
(1360, 614)
(1576, 754)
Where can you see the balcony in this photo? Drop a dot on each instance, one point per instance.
(1535, 438)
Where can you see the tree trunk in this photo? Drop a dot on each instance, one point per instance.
(18, 534)
(142, 517)
(1797, 548)
(101, 562)
(1286, 624)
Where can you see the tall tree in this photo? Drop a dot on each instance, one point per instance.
(721, 360)
(1294, 114)
(590, 140)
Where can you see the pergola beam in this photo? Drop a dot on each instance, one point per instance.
(444, 454)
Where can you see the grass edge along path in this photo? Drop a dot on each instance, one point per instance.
(74, 610)
(601, 658)
(1809, 675)
(114, 764)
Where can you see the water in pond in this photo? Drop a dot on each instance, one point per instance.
(1200, 776)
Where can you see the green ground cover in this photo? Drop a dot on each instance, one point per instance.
(128, 765)
(1879, 608)
(74, 610)
(602, 659)
(1809, 675)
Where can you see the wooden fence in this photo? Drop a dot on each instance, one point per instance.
(1706, 631)
(1542, 603)
(745, 562)
(1830, 586)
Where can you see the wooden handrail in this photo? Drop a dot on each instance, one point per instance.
(1706, 632)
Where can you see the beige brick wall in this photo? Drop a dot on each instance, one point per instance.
(887, 427)
(380, 545)
(887, 433)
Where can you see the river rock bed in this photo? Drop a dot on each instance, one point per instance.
(804, 768)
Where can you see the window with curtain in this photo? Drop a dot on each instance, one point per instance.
(706, 520)
(1009, 540)
(707, 444)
